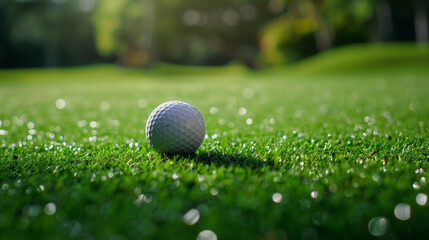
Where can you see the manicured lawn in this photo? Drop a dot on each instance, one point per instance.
(334, 152)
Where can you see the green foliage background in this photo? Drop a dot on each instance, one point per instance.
(140, 32)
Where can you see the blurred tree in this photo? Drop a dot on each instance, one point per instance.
(212, 33)
(139, 32)
(421, 11)
(278, 38)
(123, 29)
(396, 21)
(330, 22)
(383, 14)
(189, 32)
(46, 33)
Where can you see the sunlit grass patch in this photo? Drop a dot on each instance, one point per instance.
(285, 156)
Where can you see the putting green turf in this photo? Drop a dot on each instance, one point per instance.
(287, 155)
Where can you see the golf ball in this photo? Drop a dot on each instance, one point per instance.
(175, 127)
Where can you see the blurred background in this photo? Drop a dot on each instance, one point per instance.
(139, 33)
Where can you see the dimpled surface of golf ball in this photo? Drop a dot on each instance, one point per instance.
(175, 127)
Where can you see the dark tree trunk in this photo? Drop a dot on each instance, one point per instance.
(384, 26)
(148, 30)
(421, 23)
(50, 57)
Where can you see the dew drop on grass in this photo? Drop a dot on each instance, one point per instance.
(34, 211)
(17, 121)
(81, 123)
(191, 217)
(203, 186)
(60, 103)
(137, 191)
(422, 181)
(50, 209)
(247, 93)
(143, 198)
(314, 194)
(213, 110)
(378, 226)
(142, 103)
(376, 178)
(214, 191)
(114, 122)
(93, 124)
(421, 199)
(242, 111)
(18, 183)
(30, 125)
(412, 107)
(348, 193)
(104, 106)
(402, 211)
(277, 197)
(206, 235)
(200, 178)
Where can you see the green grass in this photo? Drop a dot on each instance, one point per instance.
(367, 59)
(337, 151)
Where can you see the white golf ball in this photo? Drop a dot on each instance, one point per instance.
(175, 127)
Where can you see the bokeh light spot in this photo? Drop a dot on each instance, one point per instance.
(421, 199)
(191, 18)
(378, 226)
(277, 197)
(104, 106)
(191, 217)
(60, 103)
(247, 93)
(206, 235)
(242, 111)
(50, 209)
(230, 17)
(402, 211)
(142, 103)
(213, 110)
